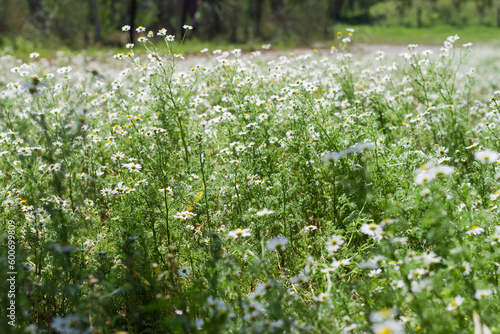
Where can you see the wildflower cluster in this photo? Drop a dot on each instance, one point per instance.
(309, 193)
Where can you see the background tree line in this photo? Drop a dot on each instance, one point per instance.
(87, 22)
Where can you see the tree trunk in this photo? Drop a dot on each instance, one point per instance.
(97, 21)
(278, 11)
(189, 9)
(35, 6)
(336, 9)
(257, 12)
(132, 13)
(4, 10)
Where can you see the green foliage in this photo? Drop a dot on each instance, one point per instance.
(307, 193)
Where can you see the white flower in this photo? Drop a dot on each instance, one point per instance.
(126, 28)
(170, 38)
(34, 55)
(264, 212)
(217, 304)
(277, 243)
(480, 294)
(162, 32)
(417, 273)
(466, 268)
(184, 215)
(117, 157)
(374, 272)
(358, 148)
(187, 27)
(455, 303)
(495, 238)
(68, 325)
(349, 329)
(494, 196)
(486, 156)
(389, 326)
(429, 172)
(372, 230)
(26, 151)
(239, 233)
(106, 192)
(431, 257)
(321, 297)
(133, 167)
(443, 170)
(453, 39)
(334, 242)
(419, 286)
(184, 271)
(425, 192)
(141, 29)
(341, 263)
(476, 230)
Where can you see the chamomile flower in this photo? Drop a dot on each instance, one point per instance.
(277, 243)
(264, 212)
(486, 156)
(184, 271)
(494, 239)
(334, 243)
(373, 230)
(475, 230)
(184, 215)
(133, 167)
(118, 157)
(67, 325)
(239, 233)
(310, 228)
(441, 151)
(455, 303)
(341, 263)
(321, 297)
(480, 294)
(388, 326)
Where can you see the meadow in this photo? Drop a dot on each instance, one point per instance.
(320, 191)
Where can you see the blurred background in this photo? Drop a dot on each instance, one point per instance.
(77, 24)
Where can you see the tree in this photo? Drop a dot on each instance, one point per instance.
(97, 22)
(167, 11)
(189, 9)
(257, 16)
(132, 14)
